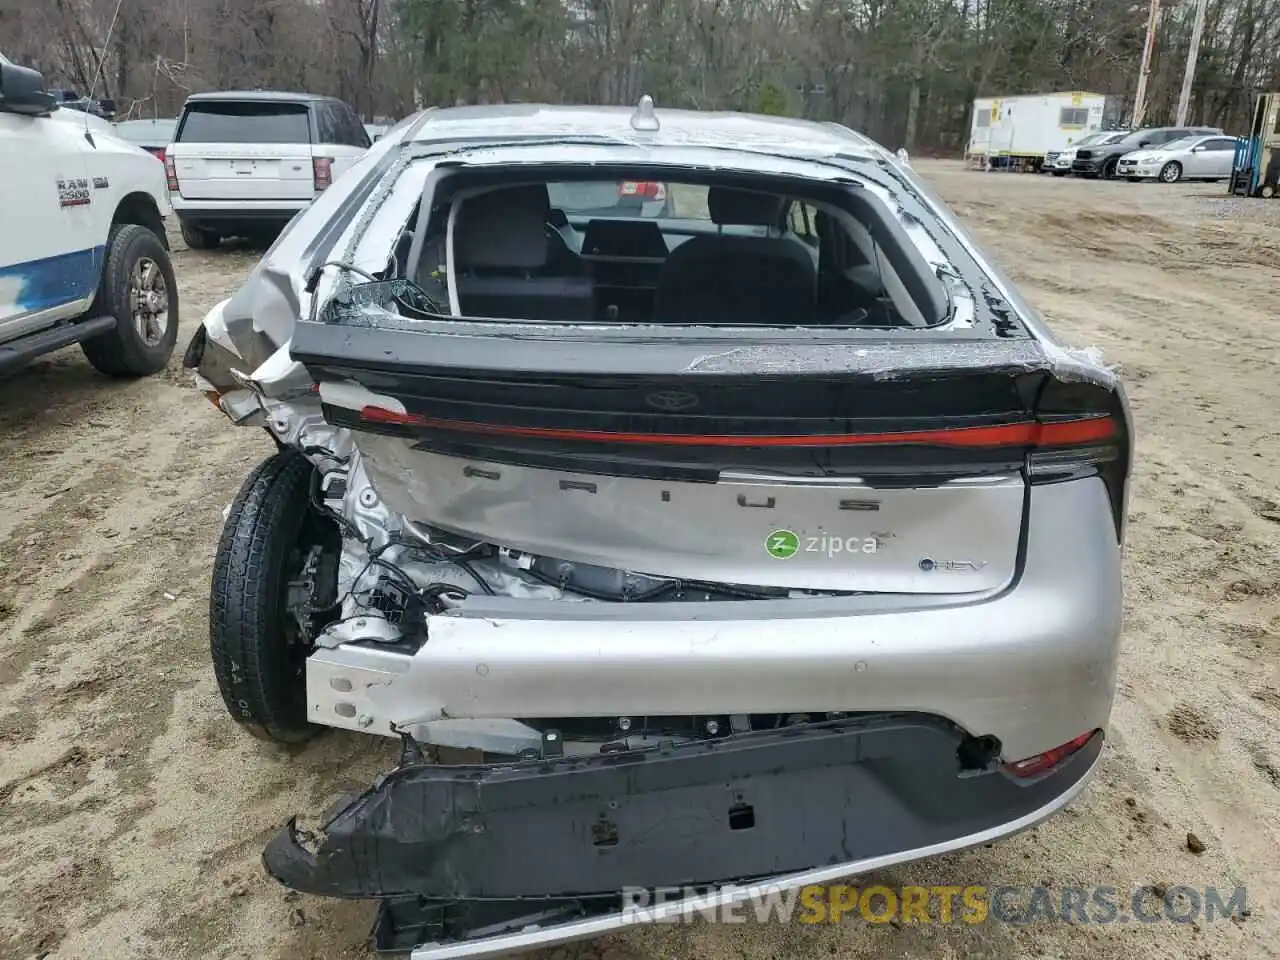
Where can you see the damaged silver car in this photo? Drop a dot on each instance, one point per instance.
(754, 538)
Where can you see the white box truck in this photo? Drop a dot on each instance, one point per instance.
(1023, 130)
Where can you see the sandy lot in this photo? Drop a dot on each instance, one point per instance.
(132, 811)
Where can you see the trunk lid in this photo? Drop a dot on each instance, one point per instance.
(911, 484)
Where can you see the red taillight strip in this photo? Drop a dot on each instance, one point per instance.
(1026, 434)
(1034, 766)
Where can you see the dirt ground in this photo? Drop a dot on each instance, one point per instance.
(132, 810)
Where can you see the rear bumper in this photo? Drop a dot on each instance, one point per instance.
(589, 841)
(479, 861)
(1032, 665)
(221, 213)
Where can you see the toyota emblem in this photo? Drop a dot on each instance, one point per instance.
(672, 400)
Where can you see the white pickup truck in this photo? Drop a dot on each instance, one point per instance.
(83, 254)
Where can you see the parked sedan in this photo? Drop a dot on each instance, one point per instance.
(1191, 158)
(1059, 162)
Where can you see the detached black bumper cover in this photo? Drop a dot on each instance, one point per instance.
(748, 806)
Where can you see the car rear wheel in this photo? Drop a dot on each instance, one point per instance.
(198, 239)
(275, 562)
(1171, 172)
(139, 290)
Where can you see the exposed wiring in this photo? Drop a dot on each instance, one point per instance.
(600, 594)
(484, 584)
(351, 267)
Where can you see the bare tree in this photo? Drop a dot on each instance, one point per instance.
(903, 71)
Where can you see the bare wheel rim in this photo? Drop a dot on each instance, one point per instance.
(149, 297)
(1169, 174)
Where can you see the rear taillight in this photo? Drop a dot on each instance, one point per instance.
(322, 171)
(1023, 434)
(1074, 457)
(644, 189)
(170, 173)
(1044, 762)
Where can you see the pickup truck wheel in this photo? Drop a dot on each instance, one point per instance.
(198, 239)
(259, 650)
(139, 290)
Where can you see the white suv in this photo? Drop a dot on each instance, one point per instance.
(244, 163)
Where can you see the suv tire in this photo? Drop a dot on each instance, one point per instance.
(198, 239)
(259, 654)
(1109, 168)
(138, 289)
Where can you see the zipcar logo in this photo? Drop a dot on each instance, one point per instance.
(672, 400)
(782, 544)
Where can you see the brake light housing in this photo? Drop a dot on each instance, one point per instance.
(1105, 455)
(322, 172)
(643, 189)
(170, 171)
(1043, 763)
(1023, 434)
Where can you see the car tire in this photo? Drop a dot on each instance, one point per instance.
(259, 654)
(1109, 169)
(1171, 172)
(138, 289)
(199, 239)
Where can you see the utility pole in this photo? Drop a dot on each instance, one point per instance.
(1184, 98)
(1140, 98)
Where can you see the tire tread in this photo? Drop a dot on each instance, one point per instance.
(120, 352)
(247, 641)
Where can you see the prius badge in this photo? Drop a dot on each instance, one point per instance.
(672, 400)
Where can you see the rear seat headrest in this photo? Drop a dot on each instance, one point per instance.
(747, 208)
(503, 228)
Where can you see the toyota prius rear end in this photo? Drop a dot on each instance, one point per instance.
(757, 537)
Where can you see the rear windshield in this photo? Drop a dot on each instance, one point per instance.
(245, 123)
(643, 252)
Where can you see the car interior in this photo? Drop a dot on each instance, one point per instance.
(712, 255)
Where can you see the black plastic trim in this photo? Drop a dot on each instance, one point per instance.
(17, 353)
(575, 827)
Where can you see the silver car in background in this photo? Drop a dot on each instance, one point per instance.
(1059, 162)
(151, 134)
(1191, 158)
